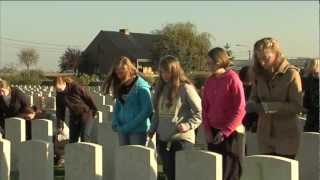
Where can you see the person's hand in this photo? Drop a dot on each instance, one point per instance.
(183, 127)
(268, 108)
(219, 138)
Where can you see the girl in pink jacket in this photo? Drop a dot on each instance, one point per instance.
(223, 111)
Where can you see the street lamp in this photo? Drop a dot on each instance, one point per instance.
(249, 51)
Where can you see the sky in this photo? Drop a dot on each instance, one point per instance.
(52, 26)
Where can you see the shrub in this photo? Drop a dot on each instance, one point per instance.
(32, 77)
(86, 79)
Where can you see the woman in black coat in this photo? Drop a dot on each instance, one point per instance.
(81, 106)
(12, 103)
(311, 95)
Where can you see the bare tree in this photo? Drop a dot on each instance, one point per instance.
(28, 57)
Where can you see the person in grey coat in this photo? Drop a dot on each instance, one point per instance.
(177, 113)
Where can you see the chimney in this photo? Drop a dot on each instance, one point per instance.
(124, 32)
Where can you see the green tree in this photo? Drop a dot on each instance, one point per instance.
(28, 57)
(70, 60)
(184, 41)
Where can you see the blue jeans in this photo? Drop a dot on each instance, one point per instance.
(132, 139)
(80, 129)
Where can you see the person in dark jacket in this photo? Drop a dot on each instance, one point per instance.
(28, 114)
(12, 103)
(311, 95)
(250, 119)
(81, 107)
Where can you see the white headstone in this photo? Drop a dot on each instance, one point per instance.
(251, 143)
(94, 132)
(30, 99)
(109, 141)
(202, 165)
(50, 103)
(135, 162)
(15, 133)
(201, 141)
(109, 100)
(67, 116)
(263, 167)
(5, 150)
(36, 160)
(42, 130)
(309, 156)
(83, 161)
(107, 113)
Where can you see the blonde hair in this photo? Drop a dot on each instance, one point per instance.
(312, 68)
(4, 84)
(112, 81)
(259, 47)
(171, 65)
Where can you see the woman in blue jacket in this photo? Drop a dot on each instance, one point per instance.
(133, 106)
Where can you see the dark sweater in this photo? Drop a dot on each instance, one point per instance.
(311, 103)
(18, 102)
(79, 102)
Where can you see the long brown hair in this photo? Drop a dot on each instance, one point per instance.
(220, 57)
(112, 81)
(171, 65)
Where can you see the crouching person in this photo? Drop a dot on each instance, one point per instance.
(81, 108)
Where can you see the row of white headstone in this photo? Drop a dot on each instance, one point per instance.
(309, 161)
(105, 160)
(44, 97)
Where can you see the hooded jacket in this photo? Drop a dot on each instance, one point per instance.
(133, 116)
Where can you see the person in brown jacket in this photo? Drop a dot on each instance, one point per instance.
(81, 107)
(12, 103)
(277, 97)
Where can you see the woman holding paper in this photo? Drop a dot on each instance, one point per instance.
(277, 97)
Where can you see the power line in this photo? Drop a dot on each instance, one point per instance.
(39, 43)
(15, 50)
(31, 46)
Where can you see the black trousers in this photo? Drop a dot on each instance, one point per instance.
(28, 130)
(312, 122)
(168, 155)
(78, 128)
(232, 169)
